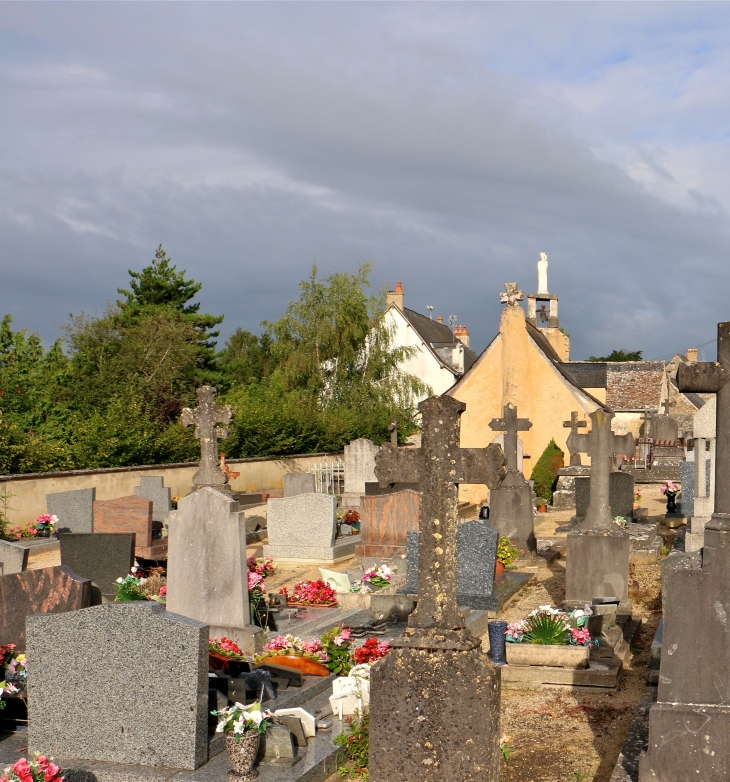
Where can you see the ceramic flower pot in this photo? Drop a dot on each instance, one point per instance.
(242, 755)
(43, 533)
(498, 569)
(303, 664)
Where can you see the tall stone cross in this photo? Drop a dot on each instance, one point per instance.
(439, 466)
(512, 294)
(668, 405)
(713, 377)
(574, 424)
(205, 417)
(510, 424)
(648, 417)
(601, 444)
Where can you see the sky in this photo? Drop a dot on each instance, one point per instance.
(447, 143)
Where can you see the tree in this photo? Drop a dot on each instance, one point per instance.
(246, 358)
(620, 355)
(545, 472)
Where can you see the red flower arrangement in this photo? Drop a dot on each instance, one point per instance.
(310, 593)
(351, 516)
(263, 566)
(225, 648)
(40, 769)
(371, 651)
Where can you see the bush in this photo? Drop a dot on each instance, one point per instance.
(545, 473)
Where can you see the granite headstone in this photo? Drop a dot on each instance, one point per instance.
(99, 673)
(152, 488)
(74, 509)
(101, 556)
(13, 558)
(620, 494)
(302, 527)
(359, 465)
(131, 514)
(687, 481)
(299, 483)
(384, 522)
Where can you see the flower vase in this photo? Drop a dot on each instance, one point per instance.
(497, 642)
(242, 755)
(43, 533)
(498, 568)
(671, 504)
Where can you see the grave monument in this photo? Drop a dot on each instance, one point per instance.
(205, 417)
(434, 699)
(690, 722)
(564, 494)
(598, 549)
(74, 509)
(151, 487)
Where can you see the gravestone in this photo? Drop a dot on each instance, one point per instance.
(574, 425)
(564, 495)
(98, 673)
(687, 481)
(205, 417)
(510, 503)
(74, 509)
(498, 439)
(303, 528)
(153, 488)
(13, 558)
(435, 683)
(102, 557)
(299, 483)
(620, 495)
(704, 430)
(384, 522)
(131, 514)
(690, 722)
(666, 429)
(359, 465)
(52, 590)
(598, 549)
(476, 556)
(207, 575)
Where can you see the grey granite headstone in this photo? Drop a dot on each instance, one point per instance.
(75, 509)
(359, 465)
(13, 558)
(687, 480)
(476, 556)
(118, 663)
(301, 527)
(207, 575)
(299, 483)
(620, 494)
(101, 556)
(152, 488)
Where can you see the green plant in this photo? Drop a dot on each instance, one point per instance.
(505, 747)
(507, 552)
(579, 776)
(4, 508)
(545, 472)
(336, 642)
(355, 743)
(546, 628)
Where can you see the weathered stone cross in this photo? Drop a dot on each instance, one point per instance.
(601, 444)
(574, 424)
(713, 377)
(668, 405)
(205, 417)
(648, 417)
(393, 429)
(439, 466)
(510, 424)
(512, 295)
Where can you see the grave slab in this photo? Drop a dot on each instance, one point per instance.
(75, 509)
(102, 557)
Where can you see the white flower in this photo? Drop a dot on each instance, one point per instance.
(120, 581)
(255, 716)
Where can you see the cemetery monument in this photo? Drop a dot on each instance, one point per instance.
(206, 417)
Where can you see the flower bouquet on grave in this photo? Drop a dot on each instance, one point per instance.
(373, 577)
(225, 655)
(309, 657)
(263, 566)
(507, 554)
(45, 525)
(337, 646)
(18, 532)
(371, 651)
(242, 727)
(14, 672)
(40, 769)
(135, 586)
(669, 489)
(550, 626)
(308, 594)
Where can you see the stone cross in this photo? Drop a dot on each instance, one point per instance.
(510, 424)
(601, 444)
(713, 377)
(574, 424)
(439, 466)
(393, 429)
(512, 295)
(668, 405)
(205, 417)
(647, 418)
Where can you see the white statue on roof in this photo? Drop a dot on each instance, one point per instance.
(542, 266)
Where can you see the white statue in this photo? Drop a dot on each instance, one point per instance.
(542, 265)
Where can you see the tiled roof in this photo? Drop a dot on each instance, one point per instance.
(634, 385)
(437, 335)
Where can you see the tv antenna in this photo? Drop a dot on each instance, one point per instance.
(452, 320)
(429, 307)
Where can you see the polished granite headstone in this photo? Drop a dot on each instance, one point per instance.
(53, 590)
(102, 557)
(74, 509)
(384, 522)
(13, 558)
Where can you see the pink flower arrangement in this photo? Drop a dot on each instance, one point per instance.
(669, 487)
(344, 635)
(371, 651)
(163, 591)
(40, 769)
(581, 637)
(310, 593)
(291, 645)
(264, 566)
(225, 647)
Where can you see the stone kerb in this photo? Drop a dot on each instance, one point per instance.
(207, 576)
(359, 465)
(120, 665)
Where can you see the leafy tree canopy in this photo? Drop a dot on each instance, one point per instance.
(620, 355)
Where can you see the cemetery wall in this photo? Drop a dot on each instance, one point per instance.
(258, 474)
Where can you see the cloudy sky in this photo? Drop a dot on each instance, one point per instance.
(447, 143)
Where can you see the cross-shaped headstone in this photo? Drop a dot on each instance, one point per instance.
(510, 424)
(601, 444)
(647, 418)
(393, 429)
(512, 295)
(205, 417)
(439, 466)
(713, 377)
(574, 424)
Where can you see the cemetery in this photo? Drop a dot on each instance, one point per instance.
(428, 609)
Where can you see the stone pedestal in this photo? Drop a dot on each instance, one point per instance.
(429, 731)
(690, 723)
(564, 494)
(510, 512)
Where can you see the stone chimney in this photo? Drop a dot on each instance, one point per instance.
(692, 355)
(440, 319)
(396, 297)
(462, 335)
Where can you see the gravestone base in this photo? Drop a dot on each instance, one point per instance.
(510, 514)
(428, 731)
(224, 488)
(597, 566)
(674, 520)
(564, 494)
(344, 548)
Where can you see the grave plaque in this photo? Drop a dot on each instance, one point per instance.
(102, 557)
(436, 684)
(52, 590)
(13, 558)
(74, 509)
(98, 673)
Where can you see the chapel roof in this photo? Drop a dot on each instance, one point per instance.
(437, 335)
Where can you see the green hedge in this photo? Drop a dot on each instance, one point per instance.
(545, 472)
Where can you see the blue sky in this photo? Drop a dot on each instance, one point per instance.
(448, 143)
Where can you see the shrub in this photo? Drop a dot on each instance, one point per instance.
(545, 472)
